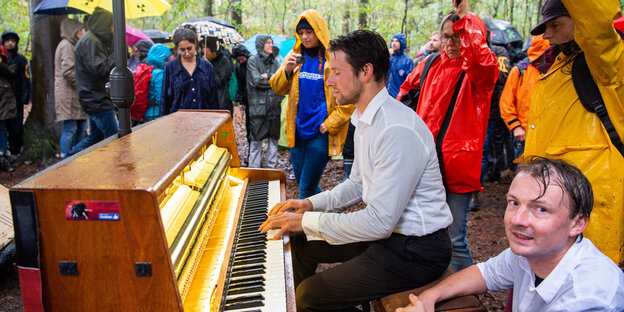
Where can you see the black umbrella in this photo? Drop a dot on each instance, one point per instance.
(56, 7)
(502, 32)
(158, 36)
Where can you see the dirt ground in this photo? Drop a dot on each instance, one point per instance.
(486, 235)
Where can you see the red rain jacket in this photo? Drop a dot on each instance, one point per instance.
(462, 147)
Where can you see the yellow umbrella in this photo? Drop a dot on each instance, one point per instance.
(134, 8)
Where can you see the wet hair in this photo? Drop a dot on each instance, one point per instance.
(185, 33)
(570, 179)
(363, 47)
(451, 17)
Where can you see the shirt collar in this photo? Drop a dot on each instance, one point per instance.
(549, 288)
(371, 109)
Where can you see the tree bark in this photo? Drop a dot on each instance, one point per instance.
(404, 17)
(45, 35)
(208, 8)
(237, 12)
(363, 14)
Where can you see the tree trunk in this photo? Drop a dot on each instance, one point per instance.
(363, 15)
(346, 17)
(511, 11)
(45, 35)
(237, 12)
(404, 17)
(208, 8)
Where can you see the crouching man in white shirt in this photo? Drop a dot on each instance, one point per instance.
(549, 264)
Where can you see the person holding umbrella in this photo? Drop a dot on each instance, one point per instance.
(189, 80)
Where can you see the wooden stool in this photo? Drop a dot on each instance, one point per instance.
(459, 304)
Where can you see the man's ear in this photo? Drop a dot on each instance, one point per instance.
(578, 225)
(367, 72)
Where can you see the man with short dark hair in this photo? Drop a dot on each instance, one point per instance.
(400, 239)
(549, 264)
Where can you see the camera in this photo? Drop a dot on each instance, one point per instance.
(300, 59)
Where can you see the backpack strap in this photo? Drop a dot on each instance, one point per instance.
(412, 97)
(590, 97)
(445, 125)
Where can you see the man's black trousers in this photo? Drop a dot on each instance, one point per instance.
(370, 270)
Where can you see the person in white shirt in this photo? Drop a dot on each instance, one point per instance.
(400, 239)
(549, 264)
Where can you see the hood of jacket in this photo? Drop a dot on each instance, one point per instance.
(260, 41)
(402, 41)
(143, 46)
(538, 46)
(157, 55)
(240, 50)
(319, 25)
(69, 28)
(100, 25)
(10, 34)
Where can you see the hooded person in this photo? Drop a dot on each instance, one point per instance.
(401, 65)
(94, 59)
(68, 110)
(241, 55)
(157, 57)
(559, 126)
(514, 101)
(143, 47)
(8, 105)
(316, 126)
(222, 65)
(264, 104)
(21, 90)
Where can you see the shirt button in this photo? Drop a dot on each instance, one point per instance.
(532, 126)
(193, 100)
(191, 79)
(193, 89)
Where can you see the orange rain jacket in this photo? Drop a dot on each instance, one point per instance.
(514, 102)
(463, 144)
(560, 127)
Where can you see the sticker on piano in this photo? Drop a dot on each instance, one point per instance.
(92, 210)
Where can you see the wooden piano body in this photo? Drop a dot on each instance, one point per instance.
(122, 261)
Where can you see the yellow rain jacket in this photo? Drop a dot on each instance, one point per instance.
(338, 116)
(560, 127)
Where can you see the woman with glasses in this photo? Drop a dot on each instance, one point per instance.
(189, 80)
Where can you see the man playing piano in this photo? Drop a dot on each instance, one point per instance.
(549, 264)
(400, 239)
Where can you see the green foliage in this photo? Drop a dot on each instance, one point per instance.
(16, 16)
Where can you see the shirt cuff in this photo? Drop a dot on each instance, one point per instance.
(310, 224)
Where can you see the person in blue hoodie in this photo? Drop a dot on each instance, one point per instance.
(158, 55)
(400, 65)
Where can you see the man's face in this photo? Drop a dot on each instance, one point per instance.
(308, 38)
(539, 228)
(395, 44)
(559, 30)
(268, 47)
(344, 82)
(81, 32)
(186, 49)
(434, 43)
(241, 59)
(451, 41)
(10, 44)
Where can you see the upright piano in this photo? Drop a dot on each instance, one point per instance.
(162, 219)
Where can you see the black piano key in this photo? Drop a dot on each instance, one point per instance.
(247, 298)
(248, 273)
(250, 260)
(249, 256)
(248, 279)
(249, 248)
(261, 243)
(247, 283)
(249, 268)
(242, 305)
(252, 238)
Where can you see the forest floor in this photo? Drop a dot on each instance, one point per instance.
(486, 234)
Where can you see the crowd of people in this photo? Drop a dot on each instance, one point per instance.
(419, 137)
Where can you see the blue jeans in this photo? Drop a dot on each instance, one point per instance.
(3, 138)
(460, 205)
(101, 126)
(309, 158)
(73, 132)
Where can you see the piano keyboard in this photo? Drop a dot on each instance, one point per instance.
(255, 279)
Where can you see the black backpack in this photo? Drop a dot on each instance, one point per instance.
(590, 97)
(410, 99)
